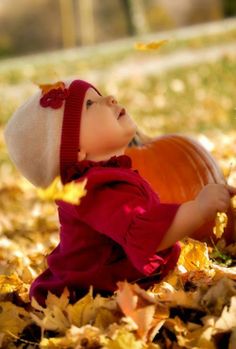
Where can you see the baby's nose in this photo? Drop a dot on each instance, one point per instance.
(110, 100)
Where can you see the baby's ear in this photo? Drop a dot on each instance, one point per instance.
(81, 155)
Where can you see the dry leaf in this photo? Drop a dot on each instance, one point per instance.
(13, 319)
(220, 272)
(48, 87)
(194, 255)
(53, 316)
(83, 311)
(154, 45)
(227, 320)
(10, 283)
(71, 192)
(221, 222)
(198, 339)
(142, 308)
(218, 295)
(124, 339)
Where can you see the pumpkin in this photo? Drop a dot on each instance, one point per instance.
(178, 167)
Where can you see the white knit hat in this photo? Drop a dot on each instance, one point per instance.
(42, 136)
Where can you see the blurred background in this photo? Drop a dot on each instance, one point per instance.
(187, 86)
(34, 26)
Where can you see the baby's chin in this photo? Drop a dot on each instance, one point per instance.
(131, 135)
(133, 128)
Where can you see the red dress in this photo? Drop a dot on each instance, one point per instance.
(111, 236)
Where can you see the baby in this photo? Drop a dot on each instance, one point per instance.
(120, 230)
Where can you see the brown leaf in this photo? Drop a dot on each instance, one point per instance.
(227, 320)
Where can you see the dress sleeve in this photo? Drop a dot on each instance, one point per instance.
(134, 219)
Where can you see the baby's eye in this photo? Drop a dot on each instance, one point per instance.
(89, 103)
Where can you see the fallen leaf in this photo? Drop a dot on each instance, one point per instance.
(124, 339)
(154, 45)
(142, 308)
(83, 311)
(220, 272)
(53, 317)
(218, 295)
(194, 255)
(227, 320)
(71, 192)
(48, 87)
(221, 222)
(13, 319)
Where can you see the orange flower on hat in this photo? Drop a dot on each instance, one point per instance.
(53, 95)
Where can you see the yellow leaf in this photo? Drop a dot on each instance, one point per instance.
(198, 339)
(71, 192)
(60, 302)
(54, 316)
(220, 224)
(154, 45)
(55, 343)
(13, 319)
(104, 318)
(48, 87)
(124, 339)
(10, 283)
(194, 255)
(83, 311)
(233, 201)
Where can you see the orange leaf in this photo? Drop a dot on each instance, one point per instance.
(142, 308)
(48, 87)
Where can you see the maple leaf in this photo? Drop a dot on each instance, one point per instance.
(71, 192)
(123, 339)
(83, 311)
(53, 317)
(221, 222)
(154, 45)
(12, 284)
(48, 87)
(13, 319)
(9, 284)
(142, 308)
(194, 255)
(55, 343)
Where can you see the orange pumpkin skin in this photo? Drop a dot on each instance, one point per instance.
(177, 168)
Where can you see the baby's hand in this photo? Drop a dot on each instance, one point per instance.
(213, 198)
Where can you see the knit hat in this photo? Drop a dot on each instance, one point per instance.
(42, 136)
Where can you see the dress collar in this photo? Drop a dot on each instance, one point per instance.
(80, 168)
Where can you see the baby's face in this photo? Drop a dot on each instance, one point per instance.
(106, 127)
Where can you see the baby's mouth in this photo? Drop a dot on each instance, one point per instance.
(122, 112)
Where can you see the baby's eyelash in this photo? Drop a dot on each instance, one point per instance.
(89, 102)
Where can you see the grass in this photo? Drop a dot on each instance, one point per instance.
(188, 99)
(193, 99)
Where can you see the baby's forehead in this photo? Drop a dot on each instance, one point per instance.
(91, 93)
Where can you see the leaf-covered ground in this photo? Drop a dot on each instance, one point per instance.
(195, 306)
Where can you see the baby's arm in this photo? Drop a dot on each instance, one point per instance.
(193, 214)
